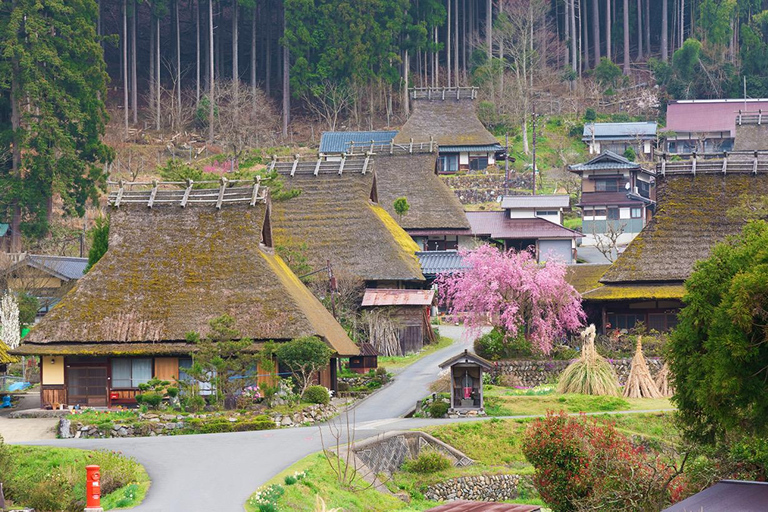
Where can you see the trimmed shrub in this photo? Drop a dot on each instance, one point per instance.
(428, 461)
(497, 345)
(438, 409)
(317, 395)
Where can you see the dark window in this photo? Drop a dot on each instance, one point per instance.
(449, 163)
(624, 321)
(607, 185)
(644, 189)
(662, 322)
(613, 214)
(478, 163)
(599, 212)
(546, 213)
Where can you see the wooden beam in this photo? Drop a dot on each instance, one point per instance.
(152, 194)
(186, 193)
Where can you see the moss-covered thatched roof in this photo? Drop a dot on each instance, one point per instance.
(450, 121)
(585, 277)
(692, 215)
(336, 218)
(432, 204)
(170, 270)
(5, 357)
(618, 292)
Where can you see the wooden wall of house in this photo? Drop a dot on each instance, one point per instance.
(52, 395)
(411, 322)
(167, 368)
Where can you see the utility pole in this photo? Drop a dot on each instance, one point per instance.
(333, 287)
(506, 164)
(534, 118)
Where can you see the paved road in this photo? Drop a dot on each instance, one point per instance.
(217, 472)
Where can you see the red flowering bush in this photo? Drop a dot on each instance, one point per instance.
(584, 464)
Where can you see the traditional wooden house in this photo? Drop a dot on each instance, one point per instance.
(448, 116)
(410, 312)
(617, 197)
(435, 219)
(177, 259)
(337, 219)
(695, 211)
(618, 137)
(585, 278)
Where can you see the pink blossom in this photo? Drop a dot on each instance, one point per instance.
(512, 291)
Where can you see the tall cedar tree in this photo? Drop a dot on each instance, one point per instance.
(99, 241)
(52, 114)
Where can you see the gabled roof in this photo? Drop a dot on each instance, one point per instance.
(726, 495)
(645, 130)
(66, 268)
(703, 116)
(450, 121)
(435, 262)
(397, 297)
(337, 220)
(551, 201)
(467, 357)
(170, 270)
(432, 204)
(339, 142)
(606, 160)
(498, 225)
(691, 216)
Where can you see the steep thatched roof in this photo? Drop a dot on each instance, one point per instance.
(337, 220)
(170, 270)
(691, 216)
(450, 121)
(585, 277)
(432, 204)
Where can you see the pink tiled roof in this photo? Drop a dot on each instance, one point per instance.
(393, 297)
(709, 115)
(498, 225)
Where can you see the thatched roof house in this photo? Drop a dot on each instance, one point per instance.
(169, 271)
(435, 211)
(448, 115)
(697, 208)
(339, 219)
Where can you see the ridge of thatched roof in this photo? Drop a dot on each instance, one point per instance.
(692, 215)
(450, 121)
(433, 205)
(336, 216)
(170, 270)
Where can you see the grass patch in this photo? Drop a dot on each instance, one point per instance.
(396, 363)
(47, 478)
(572, 223)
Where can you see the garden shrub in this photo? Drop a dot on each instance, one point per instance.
(260, 423)
(317, 395)
(154, 391)
(438, 409)
(193, 403)
(497, 345)
(428, 461)
(382, 375)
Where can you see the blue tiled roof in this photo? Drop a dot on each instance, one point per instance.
(434, 262)
(338, 142)
(606, 160)
(620, 131)
(65, 267)
(461, 149)
(3, 229)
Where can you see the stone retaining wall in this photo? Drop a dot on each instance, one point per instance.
(479, 488)
(484, 187)
(536, 373)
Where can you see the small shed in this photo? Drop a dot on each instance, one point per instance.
(466, 380)
(366, 361)
(410, 310)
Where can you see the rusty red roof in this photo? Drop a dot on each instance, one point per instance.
(393, 297)
(708, 115)
(483, 506)
(499, 225)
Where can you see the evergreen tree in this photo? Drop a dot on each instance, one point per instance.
(99, 241)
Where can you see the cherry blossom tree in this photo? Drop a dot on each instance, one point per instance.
(10, 333)
(514, 292)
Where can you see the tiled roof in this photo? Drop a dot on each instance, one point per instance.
(397, 297)
(541, 201)
(605, 160)
(338, 142)
(483, 506)
(65, 267)
(708, 115)
(499, 225)
(620, 131)
(732, 495)
(435, 262)
(606, 198)
(479, 148)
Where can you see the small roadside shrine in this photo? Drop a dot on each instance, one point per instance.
(466, 381)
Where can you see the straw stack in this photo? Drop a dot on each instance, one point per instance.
(590, 374)
(640, 383)
(662, 381)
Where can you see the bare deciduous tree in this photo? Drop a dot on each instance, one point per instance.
(329, 102)
(607, 243)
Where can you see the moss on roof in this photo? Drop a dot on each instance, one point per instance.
(432, 204)
(451, 122)
(170, 270)
(5, 357)
(336, 219)
(613, 292)
(585, 276)
(691, 217)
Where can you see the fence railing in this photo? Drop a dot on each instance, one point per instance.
(205, 193)
(730, 162)
(444, 93)
(357, 148)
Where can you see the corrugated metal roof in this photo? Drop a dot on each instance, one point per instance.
(605, 160)
(435, 262)
(3, 229)
(726, 496)
(397, 297)
(483, 506)
(65, 267)
(618, 131)
(540, 201)
(498, 225)
(701, 116)
(467, 148)
(339, 142)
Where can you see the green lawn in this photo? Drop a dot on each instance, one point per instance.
(47, 478)
(396, 363)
